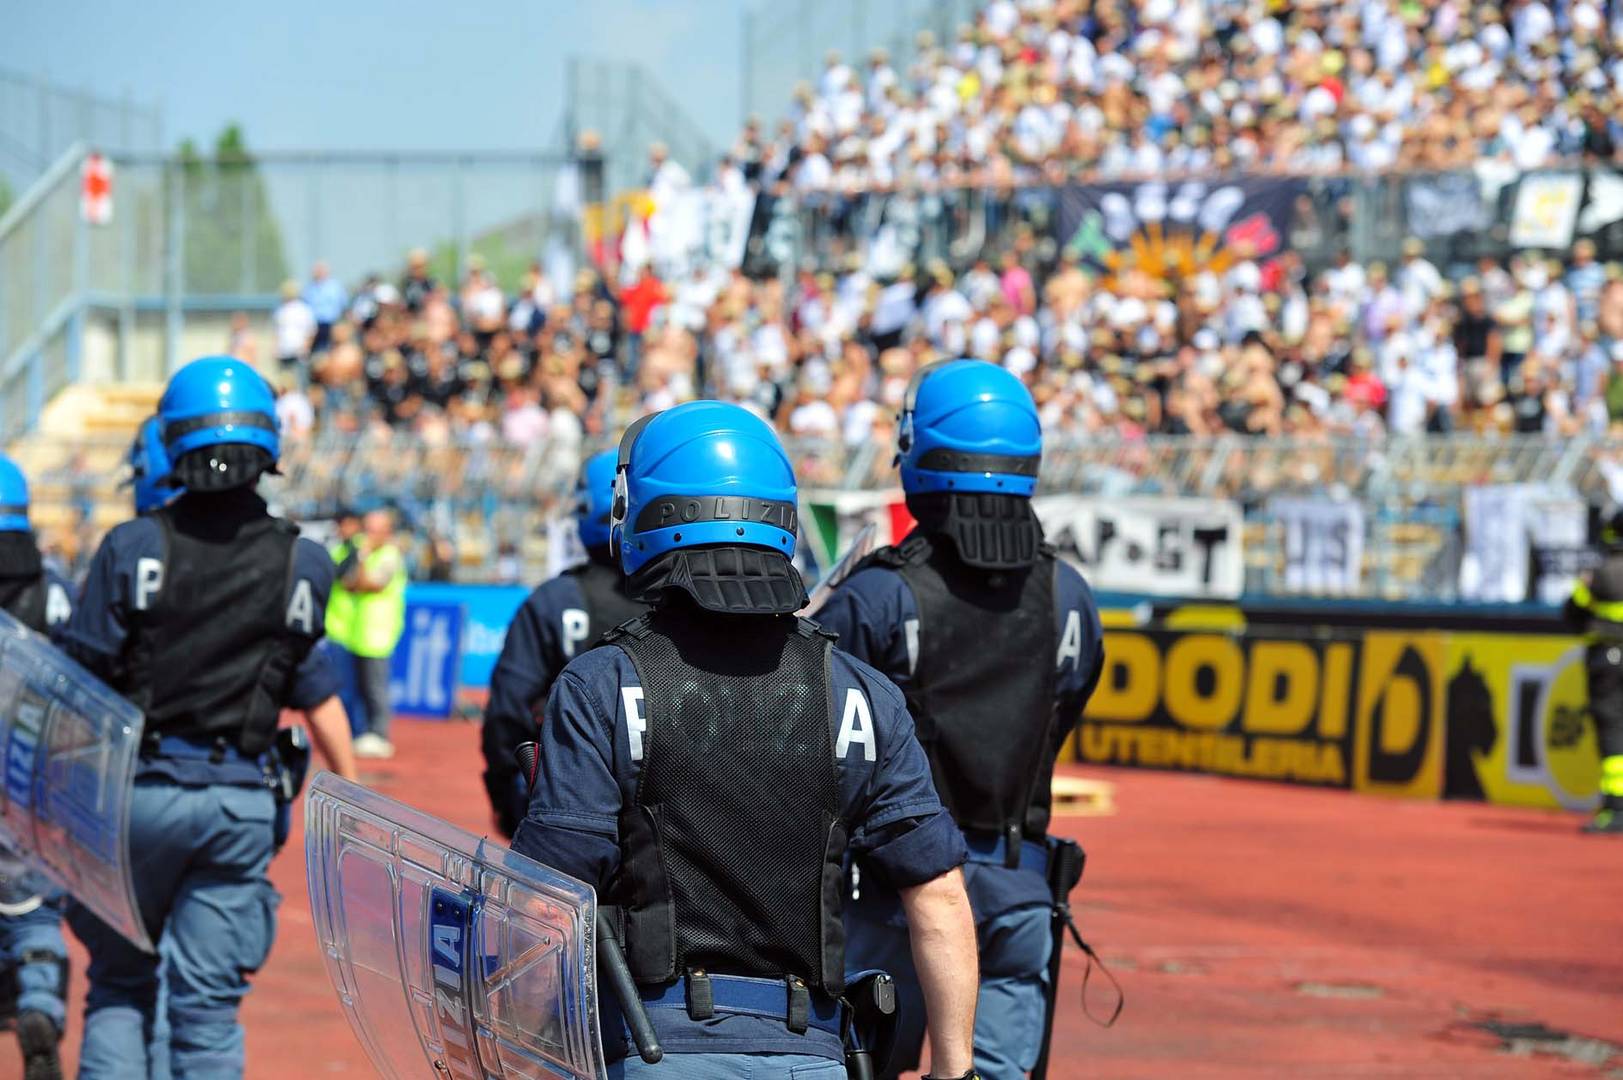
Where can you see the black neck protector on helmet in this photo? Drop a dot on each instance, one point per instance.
(220, 467)
(725, 579)
(989, 531)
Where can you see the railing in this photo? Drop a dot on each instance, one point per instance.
(40, 121)
(1459, 217)
(494, 501)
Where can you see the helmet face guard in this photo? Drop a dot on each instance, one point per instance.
(705, 503)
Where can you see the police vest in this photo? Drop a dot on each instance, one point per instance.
(380, 617)
(212, 655)
(603, 590)
(1601, 600)
(340, 601)
(982, 691)
(22, 580)
(731, 853)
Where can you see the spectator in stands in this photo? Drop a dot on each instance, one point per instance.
(327, 300)
(293, 326)
(417, 285)
(637, 304)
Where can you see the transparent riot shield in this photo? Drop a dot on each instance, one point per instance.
(453, 956)
(859, 549)
(69, 746)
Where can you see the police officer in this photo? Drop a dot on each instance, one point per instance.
(1596, 606)
(711, 764)
(33, 956)
(560, 619)
(149, 469)
(203, 613)
(996, 647)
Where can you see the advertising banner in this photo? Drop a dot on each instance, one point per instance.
(1148, 544)
(1362, 711)
(425, 670)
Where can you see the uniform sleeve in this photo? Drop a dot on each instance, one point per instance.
(573, 819)
(314, 681)
(869, 613)
(902, 831)
(1082, 654)
(96, 630)
(518, 686)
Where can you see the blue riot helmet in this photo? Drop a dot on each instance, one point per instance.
(969, 444)
(149, 468)
(705, 503)
(594, 498)
(13, 497)
(219, 424)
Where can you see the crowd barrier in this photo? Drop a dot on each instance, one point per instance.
(1483, 702)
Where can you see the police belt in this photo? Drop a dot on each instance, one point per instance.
(198, 759)
(704, 995)
(993, 850)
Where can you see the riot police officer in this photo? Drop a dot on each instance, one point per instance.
(149, 469)
(33, 955)
(709, 766)
(560, 619)
(996, 646)
(203, 613)
(1596, 606)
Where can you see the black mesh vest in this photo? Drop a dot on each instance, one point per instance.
(982, 693)
(731, 854)
(213, 655)
(607, 605)
(22, 580)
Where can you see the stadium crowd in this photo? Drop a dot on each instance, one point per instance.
(1043, 89)
(1534, 345)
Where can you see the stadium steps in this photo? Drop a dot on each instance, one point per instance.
(74, 458)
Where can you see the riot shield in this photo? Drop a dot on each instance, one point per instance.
(859, 549)
(70, 747)
(453, 956)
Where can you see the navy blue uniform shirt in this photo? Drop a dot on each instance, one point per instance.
(877, 619)
(590, 748)
(58, 602)
(115, 587)
(549, 628)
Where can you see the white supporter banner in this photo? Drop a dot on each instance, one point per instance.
(1494, 567)
(1148, 544)
(700, 227)
(1558, 529)
(1323, 544)
(1546, 210)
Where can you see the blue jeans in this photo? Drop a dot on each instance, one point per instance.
(37, 935)
(730, 1067)
(1014, 949)
(199, 860)
(349, 683)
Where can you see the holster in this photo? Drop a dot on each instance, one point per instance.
(870, 1024)
(287, 763)
(1066, 861)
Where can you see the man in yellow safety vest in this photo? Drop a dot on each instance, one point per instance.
(376, 584)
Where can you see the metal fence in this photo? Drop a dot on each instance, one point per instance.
(493, 501)
(1459, 217)
(194, 240)
(40, 120)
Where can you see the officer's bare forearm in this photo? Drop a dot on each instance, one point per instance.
(329, 727)
(942, 929)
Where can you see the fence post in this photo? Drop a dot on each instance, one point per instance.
(78, 287)
(459, 221)
(746, 97)
(126, 297)
(175, 270)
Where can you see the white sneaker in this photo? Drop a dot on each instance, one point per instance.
(372, 745)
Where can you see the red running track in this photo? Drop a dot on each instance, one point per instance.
(1258, 929)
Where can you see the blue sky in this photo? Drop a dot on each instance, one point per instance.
(408, 75)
